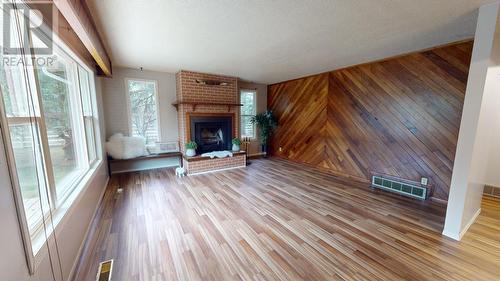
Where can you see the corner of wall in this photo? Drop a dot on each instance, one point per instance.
(466, 184)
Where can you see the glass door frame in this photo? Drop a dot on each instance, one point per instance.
(44, 167)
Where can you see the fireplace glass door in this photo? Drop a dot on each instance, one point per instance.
(211, 133)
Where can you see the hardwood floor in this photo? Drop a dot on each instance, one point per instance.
(278, 220)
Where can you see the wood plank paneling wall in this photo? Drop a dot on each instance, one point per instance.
(398, 117)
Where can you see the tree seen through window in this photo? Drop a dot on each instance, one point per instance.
(143, 110)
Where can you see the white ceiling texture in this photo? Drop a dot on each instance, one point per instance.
(269, 41)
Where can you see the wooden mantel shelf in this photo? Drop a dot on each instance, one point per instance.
(196, 103)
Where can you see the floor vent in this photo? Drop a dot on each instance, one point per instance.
(403, 187)
(105, 270)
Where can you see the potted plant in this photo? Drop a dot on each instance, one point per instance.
(191, 148)
(266, 122)
(236, 144)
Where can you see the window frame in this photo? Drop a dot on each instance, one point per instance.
(93, 109)
(129, 107)
(36, 119)
(59, 207)
(26, 233)
(77, 122)
(254, 93)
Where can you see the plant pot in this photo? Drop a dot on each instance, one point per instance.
(264, 150)
(236, 148)
(190, 152)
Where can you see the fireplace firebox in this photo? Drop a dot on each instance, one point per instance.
(211, 133)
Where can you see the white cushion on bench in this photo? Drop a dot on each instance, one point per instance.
(120, 147)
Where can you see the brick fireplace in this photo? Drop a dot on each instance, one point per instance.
(208, 113)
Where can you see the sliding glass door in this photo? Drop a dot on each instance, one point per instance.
(50, 126)
(23, 120)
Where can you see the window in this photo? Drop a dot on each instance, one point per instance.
(143, 110)
(248, 110)
(23, 125)
(63, 122)
(50, 126)
(89, 120)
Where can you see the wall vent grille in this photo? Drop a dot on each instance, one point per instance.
(400, 187)
(492, 191)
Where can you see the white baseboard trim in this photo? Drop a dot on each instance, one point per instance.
(458, 236)
(257, 154)
(87, 232)
(451, 235)
(470, 223)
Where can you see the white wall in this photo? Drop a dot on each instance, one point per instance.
(115, 107)
(491, 116)
(70, 232)
(485, 165)
(115, 101)
(478, 149)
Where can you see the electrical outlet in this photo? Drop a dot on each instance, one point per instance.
(424, 181)
(105, 270)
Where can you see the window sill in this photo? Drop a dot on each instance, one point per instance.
(72, 180)
(39, 241)
(251, 139)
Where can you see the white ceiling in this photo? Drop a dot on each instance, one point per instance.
(269, 41)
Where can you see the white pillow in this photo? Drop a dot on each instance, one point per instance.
(116, 136)
(120, 147)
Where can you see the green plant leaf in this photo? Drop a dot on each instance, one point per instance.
(191, 145)
(266, 122)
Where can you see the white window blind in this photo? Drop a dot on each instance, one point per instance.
(248, 110)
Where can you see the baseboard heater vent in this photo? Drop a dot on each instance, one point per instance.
(105, 270)
(492, 191)
(403, 187)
